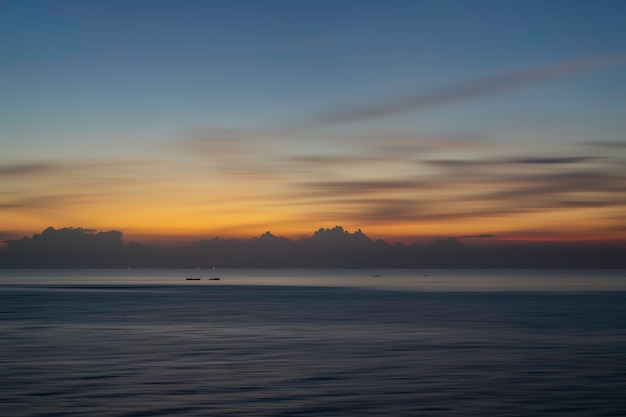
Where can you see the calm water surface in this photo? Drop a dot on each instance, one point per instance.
(312, 343)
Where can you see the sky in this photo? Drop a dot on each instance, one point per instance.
(177, 120)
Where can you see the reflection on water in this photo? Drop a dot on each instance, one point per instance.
(128, 349)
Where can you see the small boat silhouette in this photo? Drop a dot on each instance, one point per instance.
(193, 278)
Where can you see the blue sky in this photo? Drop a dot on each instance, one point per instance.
(162, 86)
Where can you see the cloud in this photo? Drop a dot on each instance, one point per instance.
(344, 188)
(330, 248)
(293, 160)
(470, 189)
(395, 173)
(508, 161)
(552, 161)
(62, 186)
(81, 167)
(333, 161)
(472, 89)
(371, 179)
(58, 200)
(393, 211)
(26, 169)
(595, 182)
(608, 144)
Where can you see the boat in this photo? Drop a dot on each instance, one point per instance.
(214, 279)
(193, 279)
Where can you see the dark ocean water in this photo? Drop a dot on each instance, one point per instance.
(322, 343)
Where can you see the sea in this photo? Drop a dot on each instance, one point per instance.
(312, 342)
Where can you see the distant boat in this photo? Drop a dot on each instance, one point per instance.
(375, 276)
(193, 279)
(214, 279)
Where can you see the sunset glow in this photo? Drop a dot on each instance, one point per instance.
(408, 122)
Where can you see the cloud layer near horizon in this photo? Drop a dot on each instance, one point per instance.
(394, 186)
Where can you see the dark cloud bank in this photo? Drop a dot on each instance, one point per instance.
(326, 248)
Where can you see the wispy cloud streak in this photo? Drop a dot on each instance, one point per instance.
(26, 169)
(464, 91)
